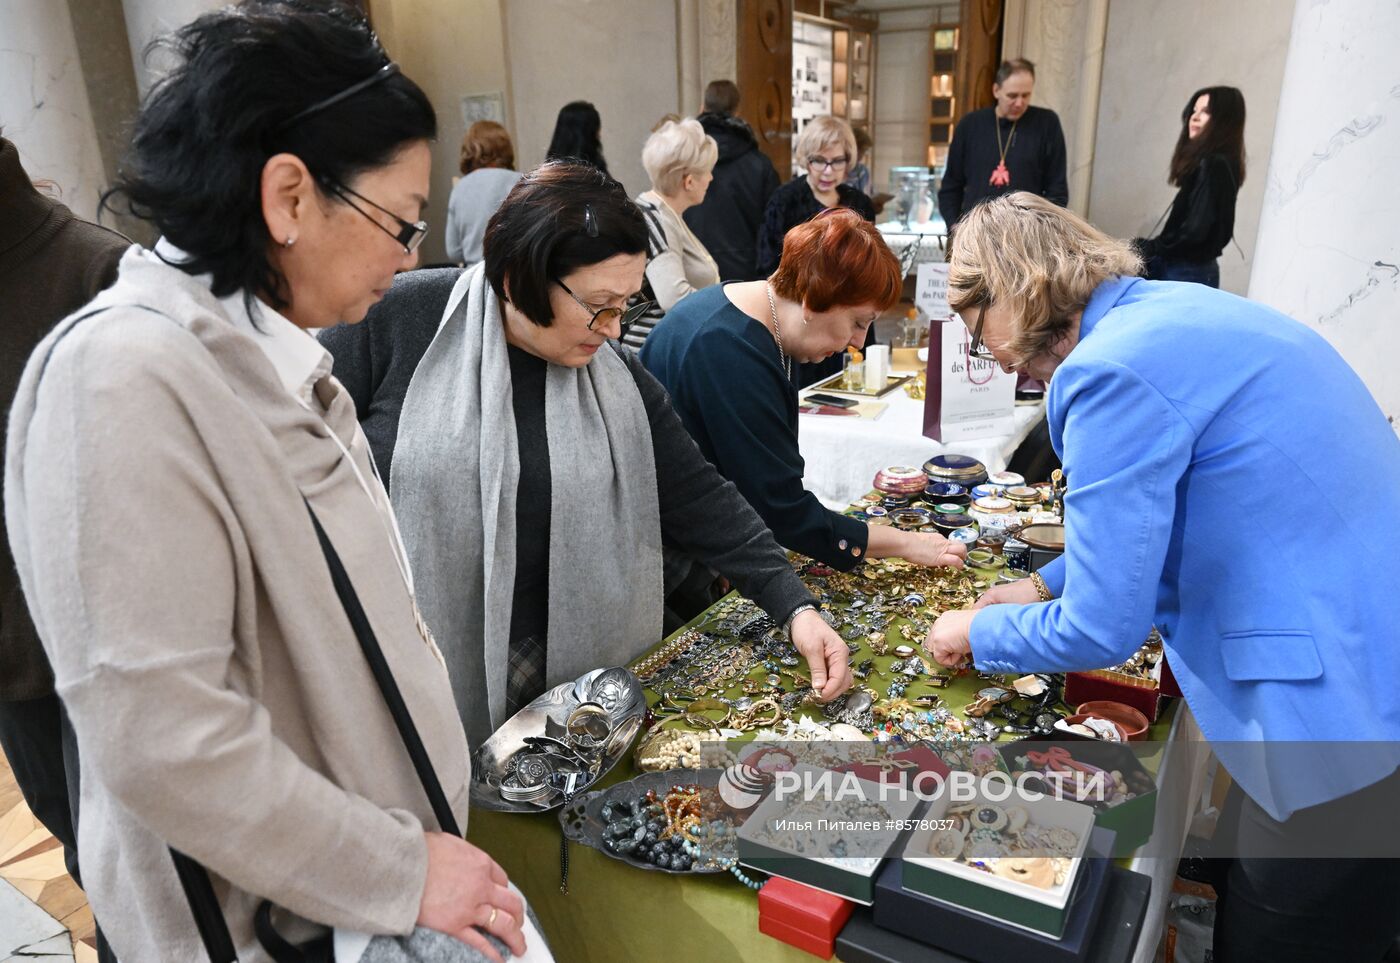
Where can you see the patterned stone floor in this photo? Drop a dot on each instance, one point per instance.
(43, 913)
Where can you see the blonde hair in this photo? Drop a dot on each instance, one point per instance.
(1039, 259)
(675, 149)
(823, 132)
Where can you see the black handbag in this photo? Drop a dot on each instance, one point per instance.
(194, 878)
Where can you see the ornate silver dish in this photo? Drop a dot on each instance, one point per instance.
(560, 744)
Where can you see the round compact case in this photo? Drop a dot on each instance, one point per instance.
(900, 480)
(956, 469)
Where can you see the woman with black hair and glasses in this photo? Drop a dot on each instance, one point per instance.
(181, 469)
(539, 470)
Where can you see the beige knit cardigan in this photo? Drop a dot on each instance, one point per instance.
(153, 490)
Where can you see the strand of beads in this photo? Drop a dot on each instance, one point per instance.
(717, 830)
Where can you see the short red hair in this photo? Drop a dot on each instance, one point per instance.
(838, 257)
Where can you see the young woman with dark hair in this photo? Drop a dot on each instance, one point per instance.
(1208, 168)
(577, 135)
(538, 469)
(728, 355)
(174, 447)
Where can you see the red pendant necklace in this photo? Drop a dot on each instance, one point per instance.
(1001, 177)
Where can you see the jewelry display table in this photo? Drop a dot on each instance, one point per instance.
(614, 911)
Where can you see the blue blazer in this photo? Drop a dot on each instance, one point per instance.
(1223, 464)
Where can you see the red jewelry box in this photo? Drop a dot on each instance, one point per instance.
(798, 937)
(1143, 695)
(902, 767)
(801, 916)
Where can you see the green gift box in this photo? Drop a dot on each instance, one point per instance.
(784, 836)
(1131, 820)
(1020, 904)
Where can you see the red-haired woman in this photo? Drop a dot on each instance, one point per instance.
(727, 356)
(487, 163)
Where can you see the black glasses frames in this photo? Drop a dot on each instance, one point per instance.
(626, 317)
(975, 347)
(410, 234)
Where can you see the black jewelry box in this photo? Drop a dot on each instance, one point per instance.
(982, 937)
(1115, 937)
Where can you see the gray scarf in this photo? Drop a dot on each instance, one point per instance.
(455, 471)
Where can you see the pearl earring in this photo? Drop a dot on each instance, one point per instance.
(289, 241)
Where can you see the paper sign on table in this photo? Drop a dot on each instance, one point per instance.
(931, 291)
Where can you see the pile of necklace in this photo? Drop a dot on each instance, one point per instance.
(686, 829)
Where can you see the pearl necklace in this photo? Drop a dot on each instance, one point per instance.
(778, 335)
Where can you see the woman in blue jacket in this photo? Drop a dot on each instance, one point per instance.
(1215, 453)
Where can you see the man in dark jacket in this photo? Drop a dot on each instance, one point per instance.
(1010, 147)
(51, 264)
(727, 222)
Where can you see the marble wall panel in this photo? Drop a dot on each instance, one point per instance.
(620, 55)
(1328, 246)
(1155, 56)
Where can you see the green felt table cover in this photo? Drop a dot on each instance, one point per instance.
(614, 911)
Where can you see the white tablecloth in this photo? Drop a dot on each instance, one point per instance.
(844, 453)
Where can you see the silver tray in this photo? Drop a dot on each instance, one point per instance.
(582, 820)
(616, 689)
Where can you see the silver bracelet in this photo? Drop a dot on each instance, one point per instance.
(805, 607)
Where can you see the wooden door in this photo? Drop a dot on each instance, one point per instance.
(764, 57)
(979, 54)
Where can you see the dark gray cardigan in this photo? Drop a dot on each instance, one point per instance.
(702, 514)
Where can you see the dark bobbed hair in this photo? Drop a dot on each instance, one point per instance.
(576, 135)
(207, 129)
(541, 232)
(838, 258)
(1016, 65)
(1222, 135)
(721, 97)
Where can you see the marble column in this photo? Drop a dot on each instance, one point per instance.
(148, 20)
(44, 106)
(1328, 249)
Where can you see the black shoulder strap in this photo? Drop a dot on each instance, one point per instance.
(194, 878)
(374, 655)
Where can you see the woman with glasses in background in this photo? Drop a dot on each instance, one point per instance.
(538, 469)
(826, 150)
(178, 459)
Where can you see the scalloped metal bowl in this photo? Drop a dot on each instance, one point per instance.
(616, 689)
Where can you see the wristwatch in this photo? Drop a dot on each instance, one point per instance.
(805, 607)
